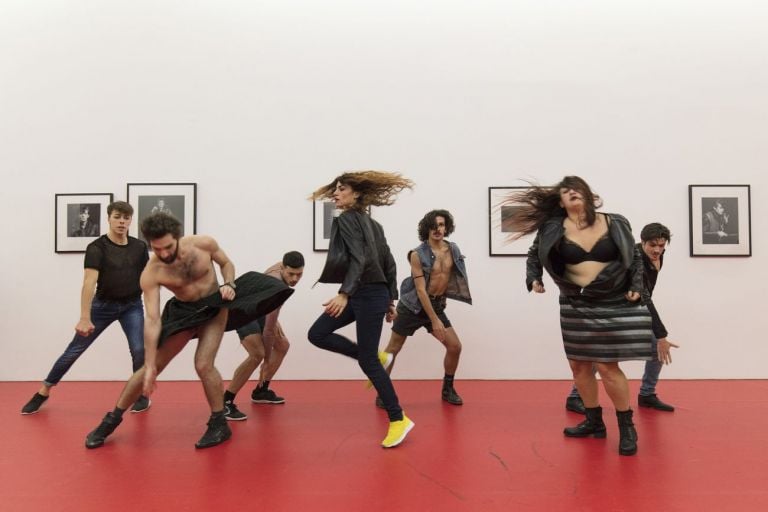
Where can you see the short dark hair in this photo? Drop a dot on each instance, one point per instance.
(158, 225)
(430, 222)
(655, 230)
(120, 206)
(84, 208)
(293, 259)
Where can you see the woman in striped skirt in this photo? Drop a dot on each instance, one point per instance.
(592, 259)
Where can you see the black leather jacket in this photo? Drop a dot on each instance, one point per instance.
(358, 254)
(617, 277)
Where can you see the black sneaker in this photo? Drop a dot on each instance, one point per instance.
(218, 431)
(379, 403)
(142, 404)
(452, 397)
(99, 434)
(232, 413)
(266, 396)
(34, 404)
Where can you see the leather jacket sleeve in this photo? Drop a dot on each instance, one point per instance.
(390, 271)
(636, 272)
(533, 268)
(352, 234)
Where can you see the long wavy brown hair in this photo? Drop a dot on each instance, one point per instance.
(376, 188)
(530, 208)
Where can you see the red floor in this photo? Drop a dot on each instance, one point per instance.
(503, 450)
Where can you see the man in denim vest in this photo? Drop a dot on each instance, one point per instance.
(437, 273)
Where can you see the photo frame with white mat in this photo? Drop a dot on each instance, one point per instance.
(177, 199)
(79, 219)
(720, 220)
(502, 239)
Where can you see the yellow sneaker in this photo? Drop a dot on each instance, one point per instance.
(385, 358)
(397, 432)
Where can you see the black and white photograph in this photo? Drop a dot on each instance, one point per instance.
(323, 212)
(720, 220)
(177, 199)
(79, 220)
(501, 236)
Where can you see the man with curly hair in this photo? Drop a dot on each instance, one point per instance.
(438, 273)
(200, 308)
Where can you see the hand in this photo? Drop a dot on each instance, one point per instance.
(84, 327)
(438, 329)
(391, 314)
(537, 287)
(150, 377)
(227, 292)
(663, 347)
(632, 296)
(335, 306)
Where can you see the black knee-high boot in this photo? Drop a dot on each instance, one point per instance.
(592, 426)
(627, 433)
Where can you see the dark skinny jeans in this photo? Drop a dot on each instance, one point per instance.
(366, 308)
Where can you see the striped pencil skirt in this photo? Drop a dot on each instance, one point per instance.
(605, 330)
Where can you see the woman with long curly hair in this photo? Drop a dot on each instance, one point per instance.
(359, 258)
(593, 260)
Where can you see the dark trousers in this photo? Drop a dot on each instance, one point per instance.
(366, 308)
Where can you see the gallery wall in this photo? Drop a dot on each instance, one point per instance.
(259, 103)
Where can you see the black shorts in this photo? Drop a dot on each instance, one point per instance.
(408, 322)
(255, 327)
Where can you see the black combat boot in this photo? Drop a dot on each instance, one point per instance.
(592, 426)
(627, 433)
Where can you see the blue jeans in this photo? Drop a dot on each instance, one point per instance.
(650, 376)
(103, 313)
(652, 371)
(366, 308)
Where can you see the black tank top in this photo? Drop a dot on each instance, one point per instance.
(604, 250)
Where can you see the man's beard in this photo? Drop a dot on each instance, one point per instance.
(173, 257)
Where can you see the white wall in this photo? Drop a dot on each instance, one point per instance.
(260, 102)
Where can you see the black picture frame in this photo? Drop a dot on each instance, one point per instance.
(501, 240)
(323, 211)
(79, 219)
(720, 220)
(178, 199)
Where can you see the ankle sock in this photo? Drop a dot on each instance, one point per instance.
(229, 396)
(118, 412)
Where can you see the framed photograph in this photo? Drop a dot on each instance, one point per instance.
(501, 241)
(720, 220)
(177, 199)
(79, 220)
(323, 212)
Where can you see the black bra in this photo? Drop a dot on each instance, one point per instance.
(604, 250)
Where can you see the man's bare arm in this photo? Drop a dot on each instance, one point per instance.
(226, 267)
(152, 328)
(84, 326)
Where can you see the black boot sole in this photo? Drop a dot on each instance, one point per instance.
(596, 435)
(628, 452)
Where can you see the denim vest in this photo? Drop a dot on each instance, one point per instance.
(458, 284)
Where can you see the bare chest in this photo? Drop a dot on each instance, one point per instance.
(443, 263)
(194, 269)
